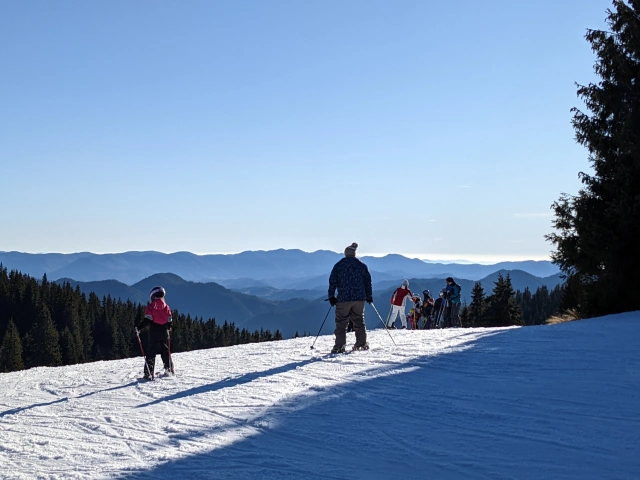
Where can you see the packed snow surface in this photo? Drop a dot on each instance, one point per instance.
(547, 402)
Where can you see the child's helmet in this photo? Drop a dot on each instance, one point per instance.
(156, 292)
(405, 283)
(426, 293)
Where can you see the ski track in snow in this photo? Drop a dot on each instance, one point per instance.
(557, 401)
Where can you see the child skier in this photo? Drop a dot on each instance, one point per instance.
(411, 319)
(157, 317)
(417, 311)
(427, 308)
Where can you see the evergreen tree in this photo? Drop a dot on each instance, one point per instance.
(597, 230)
(502, 310)
(5, 303)
(68, 347)
(477, 307)
(11, 350)
(43, 345)
(245, 336)
(465, 319)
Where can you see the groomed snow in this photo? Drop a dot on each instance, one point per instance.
(547, 402)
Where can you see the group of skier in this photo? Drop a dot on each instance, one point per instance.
(426, 312)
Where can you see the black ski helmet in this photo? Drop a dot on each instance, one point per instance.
(156, 292)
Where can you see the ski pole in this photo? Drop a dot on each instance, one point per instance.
(143, 355)
(169, 352)
(441, 314)
(325, 319)
(383, 324)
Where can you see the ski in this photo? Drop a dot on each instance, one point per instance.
(346, 352)
(156, 376)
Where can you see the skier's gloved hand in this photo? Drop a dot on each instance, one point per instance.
(333, 301)
(369, 299)
(143, 324)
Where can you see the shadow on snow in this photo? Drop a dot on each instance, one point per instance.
(229, 382)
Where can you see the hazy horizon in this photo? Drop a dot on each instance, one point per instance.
(428, 258)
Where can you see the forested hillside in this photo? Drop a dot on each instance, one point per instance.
(46, 324)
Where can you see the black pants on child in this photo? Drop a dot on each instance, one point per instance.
(157, 342)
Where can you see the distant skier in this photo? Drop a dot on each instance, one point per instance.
(398, 305)
(453, 302)
(417, 308)
(438, 310)
(427, 308)
(351, 277)
(157, 318)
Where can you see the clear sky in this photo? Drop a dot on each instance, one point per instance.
(433, 129)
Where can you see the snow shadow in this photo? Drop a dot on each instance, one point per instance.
(35, 405)
(230, 382)
(509, 406)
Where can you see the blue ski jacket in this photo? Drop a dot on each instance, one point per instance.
(454, 293)
(352, 279)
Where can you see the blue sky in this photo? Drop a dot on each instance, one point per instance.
(438, 130)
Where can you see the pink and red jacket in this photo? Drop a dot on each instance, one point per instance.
(158, 312)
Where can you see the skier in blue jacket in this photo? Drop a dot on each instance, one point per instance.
(453, 302)
(351, 277)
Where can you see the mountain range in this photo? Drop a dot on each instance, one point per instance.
(281, 269)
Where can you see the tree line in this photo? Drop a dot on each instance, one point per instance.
(43, 323)
(506, 306)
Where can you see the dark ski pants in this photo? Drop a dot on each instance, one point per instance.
(447, 316)
(157, 343)
(455, 315)
(354, 312)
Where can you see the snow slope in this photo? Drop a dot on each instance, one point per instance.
(547, 402)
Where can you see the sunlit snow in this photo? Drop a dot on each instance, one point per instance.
(546, 402)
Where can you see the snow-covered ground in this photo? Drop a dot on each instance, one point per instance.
(547, 402)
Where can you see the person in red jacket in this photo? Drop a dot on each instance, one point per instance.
(157, 318)
(398, 305)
